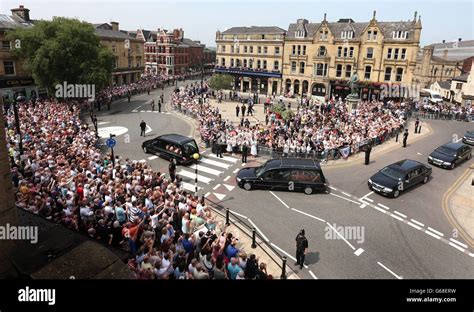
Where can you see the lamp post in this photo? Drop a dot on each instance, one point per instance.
(19, 99)
(196, 158)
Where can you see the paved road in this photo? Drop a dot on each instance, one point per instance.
(407, 237)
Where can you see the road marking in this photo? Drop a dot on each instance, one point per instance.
(207, 170)
(380, 209)
(397, 217)
(220, 196)
(391, 272)
(226, 178)
(458, 242)
(417, 222)
(458, 140)
(366, 198)
(437, 232)
(414, 225)
(142, 111)
(192, 175)
(341, 197)
(284, 252)
(102, 123)
(279, 200)
(152, 157)
(333, 188)
(400, 214)
(229, 187)
(148, 111)
(307, 214)
(383, 206)
(431, 234)
(363, 206)
(419, 154)
(207, 194)
(339, 234)
(190, 187)
(312, 275)
(226, 158)
(148, 129)
(471, 254)
(243, 164)
(214, 163)
(258, 230)
(217, 186)
(367, 195)
(457, 247)
(358, 252)
(235, 171)
(349, 195)
(240, 215)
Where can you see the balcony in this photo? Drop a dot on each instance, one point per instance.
(248, 71)
(321, 58)
(296, 57)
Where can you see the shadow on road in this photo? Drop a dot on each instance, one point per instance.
(311, 258)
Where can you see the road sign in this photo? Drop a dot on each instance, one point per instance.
(110, 142)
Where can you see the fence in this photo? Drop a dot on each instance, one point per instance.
(440, 115)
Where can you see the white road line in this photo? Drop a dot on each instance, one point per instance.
(219, 196)
(307, 214)
(437, 232)
(226, 158)
(148, 129)
(358, 252)
(284, 252)
(217, 186)
(312, 275)
(142, 111)
(419, 154)
(102, 123)
(189, 187)
(235, 171)
(397, 217)
(214, 163)
(243, 164)
(471, 254)
(417, 222)
(192, 175)
(362, 206)
(152, 157)
(367, 195)
(339, 234)
(279, 200)
(380, 209)
(349, 195)
(458, 140)
(148, 111)
(390, 271)
(206, 170)
(400, 214)
(383, 206)
(238, 214)
(457, 247)
(368, 199)
(258, 230)
(333, 188)
(414, 225)
(207, 194)
(341, 197)
(458, 242)
(434, 235)
(226, 178)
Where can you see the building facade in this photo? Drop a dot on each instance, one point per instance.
(14, 78)
(128, 51)
(320, 58)
(254, 56)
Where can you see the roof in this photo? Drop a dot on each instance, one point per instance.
(453, 146)
(254, 30)
(175, 138)
(108, 33)
(292, 163)
(405, 165)
(462, 78)
(446, 84)
(453, 44)
(192, 43)
(12, 21)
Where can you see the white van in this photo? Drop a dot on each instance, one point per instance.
(427, 95)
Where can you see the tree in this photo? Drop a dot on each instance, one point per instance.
(63, 50)
(221, 81)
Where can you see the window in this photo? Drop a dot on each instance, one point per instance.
(370, 53)
(277, 175)
(276, 65)
(139, 60)
(299, 34)
(351, 52)
(223, 62)
(129, 62)
(265, 50)
(245, 62)
(259, 64)
(222, 48)
(114, 49)
(321, 69)
(231, 49)
(263, 37)
(293, 67)
(348, 71)
(245, 49)
(399, 75)
(374, 36)
(389, 53)
(251, 49)
(339, 51)
(237, 49)
(299, 50)
(395, 54)
(304, 50)
(349, 34)
(264, 64)
(322, 51)
(368, 70)
(238, 62)
(459, 86)
(323, 35)
(388, 74)
(277, 50)
(232, 62)
(294, 50)
(369, 35)
(338, 70)
(399, 34)
(251, 63)
(259, 50)
(404, 52)
(345, 52)
(302, 67)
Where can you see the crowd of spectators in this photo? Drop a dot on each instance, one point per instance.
(444, 111)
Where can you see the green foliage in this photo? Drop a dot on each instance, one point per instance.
(63, 50)
(283, 112)
(221, 81)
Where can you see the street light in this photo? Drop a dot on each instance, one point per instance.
(196, 157)
(19, 99)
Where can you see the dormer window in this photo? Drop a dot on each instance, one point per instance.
(348, 34)
(323, 35)
(400, 34)
(299, 34)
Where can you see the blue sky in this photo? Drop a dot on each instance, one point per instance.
(200, 19)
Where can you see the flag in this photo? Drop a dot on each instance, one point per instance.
(345, 151)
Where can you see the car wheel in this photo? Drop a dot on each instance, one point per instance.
(247, 186)
(145, 150)
(452, 166)
(426, 179)
(469, 156)
(396, 193)
(308, 190)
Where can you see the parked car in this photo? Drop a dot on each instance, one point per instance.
(398, 177)
(468, 137)
(450, 154)
(286, 174)
(171, 146)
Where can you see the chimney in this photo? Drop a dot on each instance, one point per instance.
(444, 41)
(115, 26)
(459, 39)
(22, 12)
(445, 53)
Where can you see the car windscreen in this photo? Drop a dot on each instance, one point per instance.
(259, 170)
(392, 173)
(446, 151)
(436, 96)
(190, 148)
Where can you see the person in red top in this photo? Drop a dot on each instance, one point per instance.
(80, 191)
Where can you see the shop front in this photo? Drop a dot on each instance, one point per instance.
(11, 88)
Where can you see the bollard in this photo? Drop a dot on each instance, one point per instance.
(419, 129)
(227, 211)
(283, 268)
(396, 138)
(254, 245)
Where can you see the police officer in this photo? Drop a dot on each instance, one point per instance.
(368, 149)
(142, 127)
(237, 110)
(245, 152)
(159, 105)
(172, 169)
(129, 96)
(152, 105)
(405, 137)
(301, 248)
(417, 123)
